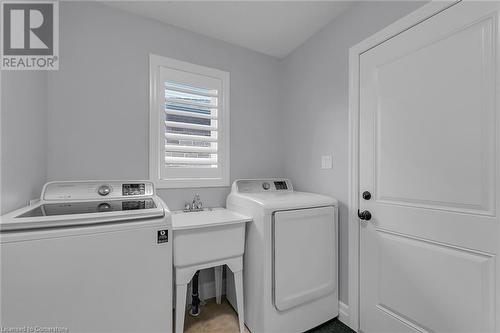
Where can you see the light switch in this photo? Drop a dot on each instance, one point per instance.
(326, 162)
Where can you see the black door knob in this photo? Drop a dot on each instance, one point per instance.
(365, 215)
(367, 195)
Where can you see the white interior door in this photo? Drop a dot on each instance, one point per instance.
(429, 152)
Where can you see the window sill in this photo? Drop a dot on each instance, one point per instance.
(190, 183)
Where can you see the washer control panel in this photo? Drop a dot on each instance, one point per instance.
(134, 189)
(262, 185)
(83, 190)
(280, 185)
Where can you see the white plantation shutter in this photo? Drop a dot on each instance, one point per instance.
(193, 147)
(190, 126)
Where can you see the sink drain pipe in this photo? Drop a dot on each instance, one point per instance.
(195, 297)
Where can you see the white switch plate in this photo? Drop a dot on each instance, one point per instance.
(326, 162)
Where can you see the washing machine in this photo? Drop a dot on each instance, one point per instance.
(291, 256)
(89, 256)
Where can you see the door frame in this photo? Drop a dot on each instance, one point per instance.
(421, 14)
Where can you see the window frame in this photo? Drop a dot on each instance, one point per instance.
(157, 127)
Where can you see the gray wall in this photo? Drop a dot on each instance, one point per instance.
(315, 80)
(98, 101)
(89, 120)
(23, 137)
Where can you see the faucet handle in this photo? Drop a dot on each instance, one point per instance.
(197, 204)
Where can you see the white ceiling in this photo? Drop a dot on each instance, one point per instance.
(271, 27)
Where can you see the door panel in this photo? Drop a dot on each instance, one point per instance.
(305, 255)
(429, 154)
(462, 143)
(419, 281)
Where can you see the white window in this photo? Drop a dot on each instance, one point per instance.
(189, 124)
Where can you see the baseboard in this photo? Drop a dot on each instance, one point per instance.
(344, 313)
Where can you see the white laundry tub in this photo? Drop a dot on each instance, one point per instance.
(210, 235)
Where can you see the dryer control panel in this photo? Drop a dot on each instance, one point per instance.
(262, 185)
(91, 190)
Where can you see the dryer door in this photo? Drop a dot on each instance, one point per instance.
(305, 255)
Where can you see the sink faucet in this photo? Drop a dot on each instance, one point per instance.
(195, 206)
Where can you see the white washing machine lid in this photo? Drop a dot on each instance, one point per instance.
(276, 201)
(76, 203)
(69, 214)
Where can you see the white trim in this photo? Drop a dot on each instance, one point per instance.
(192, 178)
(355, 52)
(344, 313)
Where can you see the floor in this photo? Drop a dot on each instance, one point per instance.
(221, 318)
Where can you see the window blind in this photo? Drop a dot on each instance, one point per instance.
(191, 125)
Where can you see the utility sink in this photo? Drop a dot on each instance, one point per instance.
(207, 236)
(206, 239)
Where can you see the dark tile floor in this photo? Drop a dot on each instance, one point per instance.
(333, 326)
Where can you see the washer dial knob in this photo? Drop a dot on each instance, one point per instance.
(266, 186)
(104, 190)
(104, 207)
